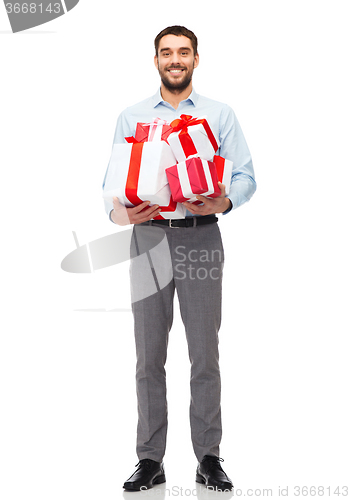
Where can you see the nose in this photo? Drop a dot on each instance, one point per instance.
(175, 59)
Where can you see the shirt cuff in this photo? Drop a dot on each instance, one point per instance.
(110, 216)
(229, 209)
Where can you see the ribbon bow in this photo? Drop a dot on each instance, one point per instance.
(181, 125)
(184, 122)
(157, 121)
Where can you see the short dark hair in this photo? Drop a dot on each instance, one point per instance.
(177, 31)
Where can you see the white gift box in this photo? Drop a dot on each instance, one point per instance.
(193, 136)
(176, 211)
(136, 173)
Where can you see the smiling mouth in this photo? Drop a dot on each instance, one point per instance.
(175, 71)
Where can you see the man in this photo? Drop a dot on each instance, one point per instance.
(196, 254)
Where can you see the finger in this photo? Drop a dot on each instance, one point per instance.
(222, 188)
(192, 208)
(147, 218)
(203, 199)
(140, 207)
(116, 202)
(149, 210)
(151, 213)
(147, 214)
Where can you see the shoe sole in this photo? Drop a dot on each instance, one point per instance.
(200, 479)
(157, 480)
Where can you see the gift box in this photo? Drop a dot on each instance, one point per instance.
(192, 136)
(157, 130)
(136, 173)
(191, 177)
(173, 211)
(224, 171)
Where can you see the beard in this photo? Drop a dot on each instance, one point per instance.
(174, 86)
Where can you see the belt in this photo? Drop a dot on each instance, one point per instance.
(187, 222)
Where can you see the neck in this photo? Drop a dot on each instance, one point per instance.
(173, 96)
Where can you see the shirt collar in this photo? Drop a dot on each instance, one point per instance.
(157, 98)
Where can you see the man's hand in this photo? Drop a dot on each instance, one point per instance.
(211, 205)
(135, 215)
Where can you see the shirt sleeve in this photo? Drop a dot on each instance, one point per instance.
(234, 147)
(122, 130)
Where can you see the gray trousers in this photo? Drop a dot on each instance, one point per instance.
(189, 260)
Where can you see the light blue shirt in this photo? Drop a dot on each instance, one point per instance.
(223, 122)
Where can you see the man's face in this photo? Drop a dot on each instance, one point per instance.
(175, 62)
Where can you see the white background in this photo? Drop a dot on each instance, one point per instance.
(68, 417)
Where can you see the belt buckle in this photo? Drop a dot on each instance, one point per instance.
(173, 227)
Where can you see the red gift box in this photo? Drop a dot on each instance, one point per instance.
(157, 130)
(192, 177)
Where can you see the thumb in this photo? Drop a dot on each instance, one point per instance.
(222, 188)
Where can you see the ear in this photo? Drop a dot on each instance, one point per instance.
(156, 61)
(196, 60)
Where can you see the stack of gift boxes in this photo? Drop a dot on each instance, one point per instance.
(167, 164)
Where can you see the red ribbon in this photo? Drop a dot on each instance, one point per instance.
(183, 122)
(187, 144)
(214, 178)
(132, 140)
(220, 166)
(170, 208)
(134, 173)
(132, 180)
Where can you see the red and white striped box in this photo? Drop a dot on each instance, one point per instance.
(224, 171)
(157, 130)
(136, 173)
(191, 177)
(192, 136)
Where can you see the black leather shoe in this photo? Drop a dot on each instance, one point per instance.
(147, 474)
(210, 473)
